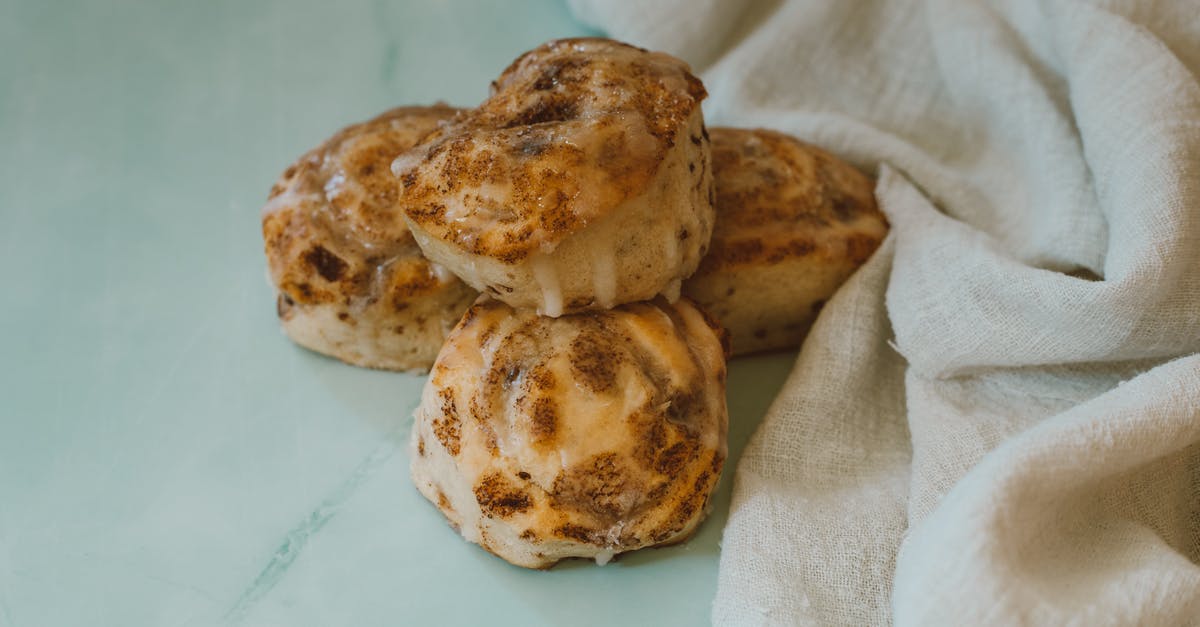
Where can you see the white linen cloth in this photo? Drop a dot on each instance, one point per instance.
(997, 420)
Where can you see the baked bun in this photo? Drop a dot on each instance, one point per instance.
(352, 282)
(583, 182)
(793, 223)
(586, 435)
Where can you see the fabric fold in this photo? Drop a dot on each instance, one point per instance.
(997, 419)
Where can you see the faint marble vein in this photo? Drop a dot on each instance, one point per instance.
(136, 570)
(296, 539)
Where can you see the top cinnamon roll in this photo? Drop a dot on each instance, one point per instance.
(583, 182)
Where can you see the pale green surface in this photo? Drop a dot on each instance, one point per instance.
(167, 457)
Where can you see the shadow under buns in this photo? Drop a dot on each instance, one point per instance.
(352, 282)
(793, 223)
(581, 183)
(586, 435)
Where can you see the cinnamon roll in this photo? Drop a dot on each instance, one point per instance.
(586, 435)
(793, 223)
(351, 281)
(583, 182)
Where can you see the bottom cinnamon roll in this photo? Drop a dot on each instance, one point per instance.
(587, 435)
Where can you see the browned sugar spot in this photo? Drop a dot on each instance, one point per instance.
(541, 378)
(545, 110)
(443, 502)
(791, 250)
(651, 438)
(559, 71)
(673, 460)
(480, 415)
(524, 475)
(477, 412)
(328, 265)
(594, 361)
(543, 419)
(343, 316)
(578, 533)
(469, 317)
(498, 497)
(448, 428)
(421, 447)
(601, 487)
(694, 496)
(487, 332)
(686, 404)
(529, 535)
(485, 540)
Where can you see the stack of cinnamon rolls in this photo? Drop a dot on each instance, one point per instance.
(531, 254)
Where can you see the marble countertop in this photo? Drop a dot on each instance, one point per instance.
(167, 457)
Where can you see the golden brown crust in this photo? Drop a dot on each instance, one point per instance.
(573, 129)
(779, 199)
(331, 228)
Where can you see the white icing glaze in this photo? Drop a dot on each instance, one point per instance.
(546, 276)
(671, 291)
(472, 274)
(671, 248)
(604, 277)
(406, 161)
(443, 275)
(289, 198)
(334, 185)
(604, 556)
